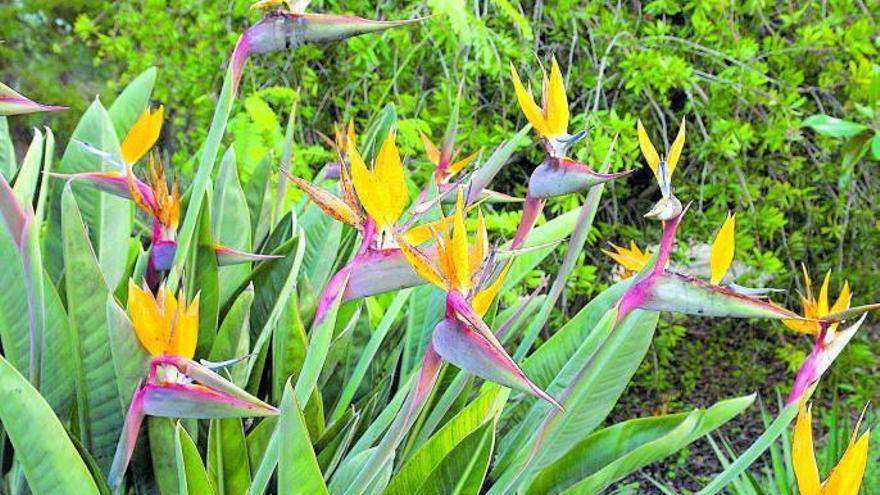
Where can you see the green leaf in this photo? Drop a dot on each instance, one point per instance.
(99, 406)
(320, 338)
(48, 458)
(132, 102)
(616, 451)
(832, 126)
(231, 223)
(162, 438)
(189, 465)
(29, 175)
(289, 345)
(227, 457)
(8, 163)
(206, 282)
(298, 470)
(233, 338)
(463, 470)
(108, 217)
(353, 382)
(773, 431)
(203, 176)
(257, 191)
(418, 469)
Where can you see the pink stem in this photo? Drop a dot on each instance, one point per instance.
(531, 210)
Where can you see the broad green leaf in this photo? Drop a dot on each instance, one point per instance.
(204, 171)
(289, 346)
(613, 452)
(132, 102)
(227, 457)
(48, 458)
(265, 439)
(274, 289)
(162, 433)
(231, 223)
(197, 481)
(298, 470)
(29, 175)
(320, 338)
(832, 126)
(99, 406)
(426, 307)
(323, 238)
(419, 468)
(58, 375)
(8, 163)
(588, 387)
(463, 470)
(233, 338)
(109, 218)
(206, 282)
(773, 431)
(257, 191)
(353, 382)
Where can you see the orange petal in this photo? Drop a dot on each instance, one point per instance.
(802, 454)
(460, 255)
(557, 103)
(723, 246)
(675, 149)
(142, 135)
(483, 299)
(823, 295)
(648, 150)
(527, 103)
(388, 171)
(185, 334)
(146, 319)
(846, 477)
(464, 162)
(430, 149)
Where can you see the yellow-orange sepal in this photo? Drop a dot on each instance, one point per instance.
(845, 478)
(722, 252)
(164, 325)
(382, 191)
(815, 308)
(631, 259)
(142, 135)
(551, 122)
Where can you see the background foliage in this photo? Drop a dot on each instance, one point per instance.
(746, 75)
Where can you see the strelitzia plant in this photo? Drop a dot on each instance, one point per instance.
(471, 280)
(660, 289)
(159, 201)
(845, 478)
(559, 174)
(176, 386)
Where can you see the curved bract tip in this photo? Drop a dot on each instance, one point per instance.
(470, 351)
(558, 177)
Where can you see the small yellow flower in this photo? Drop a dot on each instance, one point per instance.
(382, 191)
(815, 308)
(164, 324)
(631, 260)
(459, 265)
(551, 121)
(663, 169)
(722, 249)
(845, 478)
(142, 135)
